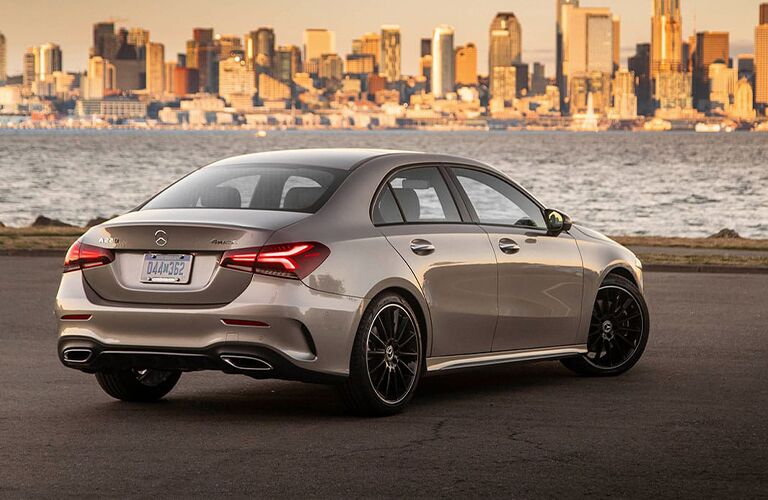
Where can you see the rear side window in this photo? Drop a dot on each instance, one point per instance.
(420, 195)
(256, 187)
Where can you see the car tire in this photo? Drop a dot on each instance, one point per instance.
(138, 385)
(618, 330)
(387, 359)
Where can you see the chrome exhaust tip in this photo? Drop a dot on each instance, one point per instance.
(77, 355)
(246, 363)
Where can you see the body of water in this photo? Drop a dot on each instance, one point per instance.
(666, 184)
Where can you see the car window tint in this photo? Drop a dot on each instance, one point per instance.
(385, 209)
(423, 196)
(498, 202)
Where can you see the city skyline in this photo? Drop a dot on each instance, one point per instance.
(63, 25)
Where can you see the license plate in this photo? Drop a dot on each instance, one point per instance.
(166, 268)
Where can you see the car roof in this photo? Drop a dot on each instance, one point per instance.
(341, 158)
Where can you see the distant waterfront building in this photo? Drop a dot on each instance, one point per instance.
(673, 94)
(369, 44)
(722, 85)
(587, 47)
(761, 61)
(361, 64)
(561, 40)
(711, 47)
(29, 68)
(228, 45)
(3, 60)
(742, 101)
(287, 62)
(168, 75)
(202, 56)
(113, 109)
(616, 43)
(466, 64)
(596, 84)
(138, 37)
(260, 50)
(443, 62)
(538, 80)
(505, 84)
(745, 65)
(272, 89)
(184, 81)
(624, 98)
(331, 67)
(764, 13)
(105, 42)
(666, 37)
(101, 79)
(129, 68)
(505, 45)
(317, 41)
(390, 53)
(236, 78)
(155, 69)
(640, 65)
(47, 60)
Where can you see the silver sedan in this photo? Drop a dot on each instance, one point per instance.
(367, 269)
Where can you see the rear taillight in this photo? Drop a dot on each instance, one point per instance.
(82, 256)
(290, 260)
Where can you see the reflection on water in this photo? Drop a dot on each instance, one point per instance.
(675, 184)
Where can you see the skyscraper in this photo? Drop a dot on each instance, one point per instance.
(390, 53)
(100, 80)
(505, 40)
(155, 69)
(236, 78)
(318, 41)
(260, 50)
(105, 42)
(561, 37)
(466, 64)
(761, 64)
(202, 56)
(722, 85)
(624, 98)
(443, 62)
(742, 101)
(369, 44)
(30, 67)
(640, 65)
(538, 80)
(666, 37)
(227, 45)
(3, 60)
(616, 43)
(764, 13)
(288, 62)
(711, 47)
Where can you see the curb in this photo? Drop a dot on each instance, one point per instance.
(703, 268)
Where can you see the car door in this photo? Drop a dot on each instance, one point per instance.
(540, 275)
(449, 255)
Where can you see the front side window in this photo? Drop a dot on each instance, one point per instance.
(498, 202)
(420, 195)
(257, 187)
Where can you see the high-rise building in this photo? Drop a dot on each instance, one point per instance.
(711, 47)
(597, 84)
(236, 78)
(228, 45)
(318, 41)
(288, 62)
(761, 59)
(101, 78)
(170, 71)
(561, 39)
(3, 60)
(361, 64)
(505, 45)
(624, 98)
(138, 37)
(745, 65)
(443, 62)
(202, 56)
(426, 47)
(505, 83)
(49, 60)
(390, 53)
(616, 43)
(742, 101)
(129, 68)
(369, 43)
(29, 69)
(587, 47)
(640, 65)
(260, 50)
(466, 64)
(105, 42)
(538, 80)
(722, 85)
(666, 37)
(331, 67)
(155, 69)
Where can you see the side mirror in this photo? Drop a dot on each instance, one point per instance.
(557, 222)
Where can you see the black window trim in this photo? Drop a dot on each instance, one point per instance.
(450, 167)
(464, 213)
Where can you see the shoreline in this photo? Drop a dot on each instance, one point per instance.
(670, 254)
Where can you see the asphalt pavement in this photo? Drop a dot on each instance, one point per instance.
(688, 421)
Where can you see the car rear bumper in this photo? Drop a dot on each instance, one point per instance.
(308, 334)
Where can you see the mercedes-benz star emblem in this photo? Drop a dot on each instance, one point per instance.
(161, 238)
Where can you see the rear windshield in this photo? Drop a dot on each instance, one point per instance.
(256, 187)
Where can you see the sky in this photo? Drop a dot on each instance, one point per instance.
(68, 23)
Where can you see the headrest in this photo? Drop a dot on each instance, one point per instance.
(409, 202)
(220, 197)
(300, 198)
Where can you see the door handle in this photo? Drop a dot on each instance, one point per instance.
(422, 247)
(508, 246)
